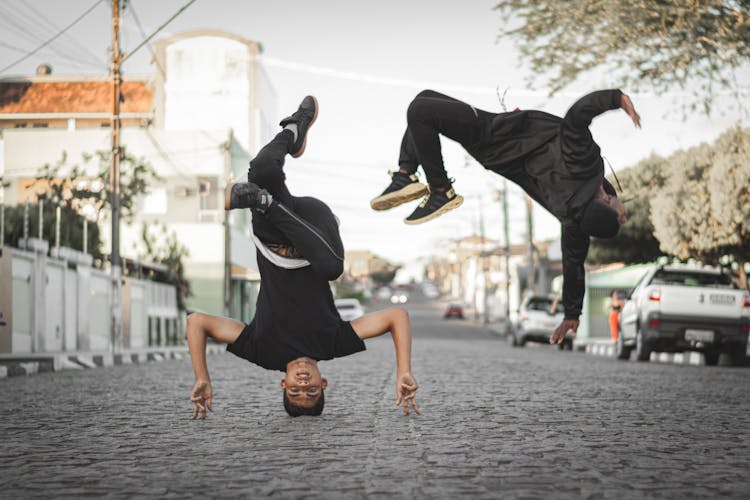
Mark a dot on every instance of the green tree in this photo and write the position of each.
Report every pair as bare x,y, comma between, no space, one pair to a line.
660,43
77,188
82,194
71,226
703,210
636,242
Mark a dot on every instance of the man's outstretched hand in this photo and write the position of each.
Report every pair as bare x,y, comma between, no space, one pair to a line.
201,396
627,105
559,334
406,388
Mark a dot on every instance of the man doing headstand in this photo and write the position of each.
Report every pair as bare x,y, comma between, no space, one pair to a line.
555,160
296,323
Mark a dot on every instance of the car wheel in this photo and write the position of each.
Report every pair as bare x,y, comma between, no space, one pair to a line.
642,349
737,356
711,357
565,345
621,350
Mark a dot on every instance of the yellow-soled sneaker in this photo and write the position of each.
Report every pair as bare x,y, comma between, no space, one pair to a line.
403,188
435,204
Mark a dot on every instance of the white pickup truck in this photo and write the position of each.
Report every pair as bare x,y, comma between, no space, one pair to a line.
677,308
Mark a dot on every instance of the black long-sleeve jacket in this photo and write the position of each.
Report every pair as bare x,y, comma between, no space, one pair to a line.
556,161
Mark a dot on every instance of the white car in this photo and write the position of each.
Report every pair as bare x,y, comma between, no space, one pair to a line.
678,308
349,309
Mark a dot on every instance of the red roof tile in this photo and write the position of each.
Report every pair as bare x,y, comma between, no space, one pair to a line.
71,97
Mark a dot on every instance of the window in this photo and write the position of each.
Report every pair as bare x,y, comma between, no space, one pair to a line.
687,278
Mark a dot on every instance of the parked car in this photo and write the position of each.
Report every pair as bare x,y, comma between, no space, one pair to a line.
383,293
538,317
349,309
678,308
454,311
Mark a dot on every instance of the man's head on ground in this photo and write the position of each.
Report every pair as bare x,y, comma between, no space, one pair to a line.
604,215
303,388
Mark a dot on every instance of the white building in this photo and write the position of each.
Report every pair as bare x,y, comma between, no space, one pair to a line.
197,120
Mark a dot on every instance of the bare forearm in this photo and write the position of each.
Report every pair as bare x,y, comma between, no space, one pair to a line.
394,320
197,345
401,333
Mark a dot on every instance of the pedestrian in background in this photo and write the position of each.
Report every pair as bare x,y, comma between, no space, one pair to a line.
615,306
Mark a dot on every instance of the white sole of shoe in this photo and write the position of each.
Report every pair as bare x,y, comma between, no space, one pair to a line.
454,203
304,143
407,193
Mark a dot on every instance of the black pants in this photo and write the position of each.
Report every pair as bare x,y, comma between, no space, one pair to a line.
429,115
305,223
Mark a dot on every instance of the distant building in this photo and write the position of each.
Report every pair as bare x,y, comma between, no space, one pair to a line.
472,270
197,120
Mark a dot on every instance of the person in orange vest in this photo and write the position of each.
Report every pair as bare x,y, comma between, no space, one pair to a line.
615,306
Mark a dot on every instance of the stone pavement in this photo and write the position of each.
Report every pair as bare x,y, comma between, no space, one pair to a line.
497,422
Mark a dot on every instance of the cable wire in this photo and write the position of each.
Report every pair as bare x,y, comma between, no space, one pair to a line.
55,37
164,24
131,9
82,49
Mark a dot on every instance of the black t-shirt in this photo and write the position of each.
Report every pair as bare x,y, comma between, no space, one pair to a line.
295,315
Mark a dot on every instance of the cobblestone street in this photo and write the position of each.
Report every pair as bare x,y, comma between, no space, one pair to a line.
497,422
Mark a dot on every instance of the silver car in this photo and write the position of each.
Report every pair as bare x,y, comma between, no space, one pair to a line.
538,317
349,309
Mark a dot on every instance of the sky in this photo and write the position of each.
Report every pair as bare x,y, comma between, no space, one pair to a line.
365,61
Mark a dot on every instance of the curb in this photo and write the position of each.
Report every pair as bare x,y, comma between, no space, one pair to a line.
677,358
28,364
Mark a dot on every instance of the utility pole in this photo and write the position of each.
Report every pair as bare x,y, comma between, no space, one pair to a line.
114,179
530,229
227,231
483,256
506,232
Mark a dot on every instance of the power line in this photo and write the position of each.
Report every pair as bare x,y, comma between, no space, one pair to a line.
78,46
422,84
55,37
164,24
131,9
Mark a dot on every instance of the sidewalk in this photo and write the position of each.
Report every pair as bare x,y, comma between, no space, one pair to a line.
605,347
30,363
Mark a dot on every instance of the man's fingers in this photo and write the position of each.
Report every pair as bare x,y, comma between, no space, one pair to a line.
195,411
414,405
209,405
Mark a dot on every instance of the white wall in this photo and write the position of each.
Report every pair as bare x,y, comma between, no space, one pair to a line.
208,86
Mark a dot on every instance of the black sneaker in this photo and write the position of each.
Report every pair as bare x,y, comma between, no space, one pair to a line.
403,188
435,204
303,118
246,195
